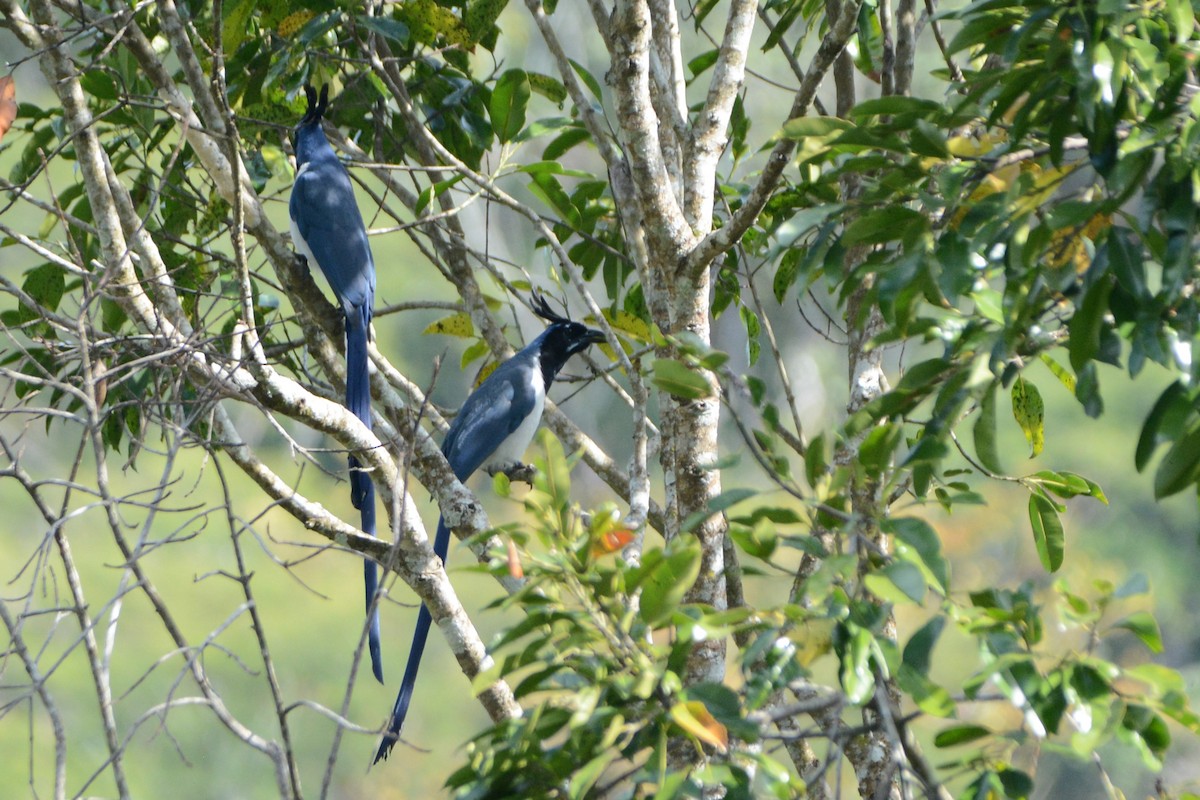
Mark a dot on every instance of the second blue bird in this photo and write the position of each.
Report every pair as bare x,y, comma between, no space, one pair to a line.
494,428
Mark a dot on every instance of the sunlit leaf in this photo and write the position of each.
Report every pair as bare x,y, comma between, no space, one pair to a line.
664,577
804,127
813,638
1143,625
984,432
693,717
1030,414
1180,467
454,325
857,678
960,734
510,98
1048,534
675,378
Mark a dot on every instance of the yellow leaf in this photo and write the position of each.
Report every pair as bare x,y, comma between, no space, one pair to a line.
1030,414
484,371
626,323
813,638
695,720
972,146
293,22
1045,184
428,21
453,325
1067,245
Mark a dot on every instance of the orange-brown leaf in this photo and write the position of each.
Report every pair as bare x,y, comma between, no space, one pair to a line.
8,104
515,569
694,718
611,541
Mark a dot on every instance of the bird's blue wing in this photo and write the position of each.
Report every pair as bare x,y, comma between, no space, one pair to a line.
326,216
491,413
330,231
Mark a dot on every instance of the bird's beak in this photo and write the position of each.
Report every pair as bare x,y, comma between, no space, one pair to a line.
595,337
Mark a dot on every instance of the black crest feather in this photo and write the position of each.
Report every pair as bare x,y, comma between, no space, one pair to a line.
543,310
317,105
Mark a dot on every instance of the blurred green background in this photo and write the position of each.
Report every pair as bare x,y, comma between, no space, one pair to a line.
311,601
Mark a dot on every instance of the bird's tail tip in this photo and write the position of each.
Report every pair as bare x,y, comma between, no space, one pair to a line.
385,747
376,660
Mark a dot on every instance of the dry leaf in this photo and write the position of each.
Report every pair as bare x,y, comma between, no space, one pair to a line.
515,569
695,719
8,104
611,541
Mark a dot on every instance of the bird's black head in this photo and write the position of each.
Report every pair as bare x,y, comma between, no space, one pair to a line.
562,339
310,140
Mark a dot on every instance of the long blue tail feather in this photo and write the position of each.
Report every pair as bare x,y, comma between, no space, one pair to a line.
362,490
441,545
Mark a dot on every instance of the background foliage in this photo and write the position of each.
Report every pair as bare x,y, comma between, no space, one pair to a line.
858,498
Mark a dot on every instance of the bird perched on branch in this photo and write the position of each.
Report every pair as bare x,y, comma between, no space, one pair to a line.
494,428
328,230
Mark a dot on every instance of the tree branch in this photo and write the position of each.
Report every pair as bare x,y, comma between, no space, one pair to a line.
714,244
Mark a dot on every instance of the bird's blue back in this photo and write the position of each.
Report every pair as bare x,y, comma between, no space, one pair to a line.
325,213
328,229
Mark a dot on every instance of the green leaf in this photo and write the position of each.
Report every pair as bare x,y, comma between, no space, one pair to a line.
584,778
920,536
857,679
1168,413
804,127
894,105
702,62
480,16
386,27
898,582
927,140
729,498
1017,785
664,578
984,432
1047,532
1062,484
564,142
675,378
815,463
1143,625
1180,467
547,86
960,734
46,285
875,453
235,24
510,98
918,653
884,225
1064,376
588,78
1085,326
1030,414
546,188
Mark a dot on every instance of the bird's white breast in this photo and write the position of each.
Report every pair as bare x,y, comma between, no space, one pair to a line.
513,448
